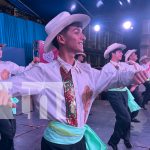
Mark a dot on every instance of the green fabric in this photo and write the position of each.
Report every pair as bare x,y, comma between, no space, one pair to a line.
93,142
14,100
61,133
133,106
63,130
118,89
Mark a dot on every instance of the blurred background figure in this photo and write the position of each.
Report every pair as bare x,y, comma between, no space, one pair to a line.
81,57
7,120
40,56
145,64
7,126
4,74
131,59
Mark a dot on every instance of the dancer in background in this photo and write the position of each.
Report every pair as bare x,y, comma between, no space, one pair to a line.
145,64
81,57
131,59
118,97
7,120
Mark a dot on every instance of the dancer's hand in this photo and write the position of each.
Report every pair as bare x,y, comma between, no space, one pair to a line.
5,74
140,77
5,99
36,60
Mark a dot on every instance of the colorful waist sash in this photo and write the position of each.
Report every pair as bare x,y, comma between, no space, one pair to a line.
15,101
61,133
133,106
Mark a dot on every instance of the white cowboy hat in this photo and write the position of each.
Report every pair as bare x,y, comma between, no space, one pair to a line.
81,53
144,57
113,47
128,54
57,24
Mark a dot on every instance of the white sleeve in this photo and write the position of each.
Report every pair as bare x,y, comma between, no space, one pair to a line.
111,78
29,82
15,69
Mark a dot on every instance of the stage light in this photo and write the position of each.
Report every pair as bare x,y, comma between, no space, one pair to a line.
131,28
129,1
99,3
73,7
127,25
120,2
97,27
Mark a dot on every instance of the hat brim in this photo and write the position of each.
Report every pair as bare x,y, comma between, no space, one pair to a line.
127,57
83,54
108,51
144,59
84,19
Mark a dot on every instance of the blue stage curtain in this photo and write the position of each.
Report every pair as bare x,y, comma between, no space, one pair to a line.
20,33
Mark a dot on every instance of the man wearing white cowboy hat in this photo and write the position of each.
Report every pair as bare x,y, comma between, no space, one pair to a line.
72,86
145,64
145,61
118,97
80,57
131,59
112,48
8,126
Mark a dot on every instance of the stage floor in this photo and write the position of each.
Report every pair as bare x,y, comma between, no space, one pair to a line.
101,119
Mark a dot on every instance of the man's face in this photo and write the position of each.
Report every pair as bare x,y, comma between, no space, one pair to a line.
133,57
1,53
74,39
118,55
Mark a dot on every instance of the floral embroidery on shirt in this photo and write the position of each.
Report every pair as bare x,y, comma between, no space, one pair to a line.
86,98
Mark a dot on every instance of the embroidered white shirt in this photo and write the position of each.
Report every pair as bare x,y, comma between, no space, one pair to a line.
45,79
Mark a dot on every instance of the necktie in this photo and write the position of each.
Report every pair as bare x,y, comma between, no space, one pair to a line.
69,93
115,65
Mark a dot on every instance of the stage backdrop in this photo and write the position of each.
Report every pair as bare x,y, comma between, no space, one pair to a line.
16,55
20,33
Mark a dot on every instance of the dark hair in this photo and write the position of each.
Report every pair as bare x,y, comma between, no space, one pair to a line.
55,42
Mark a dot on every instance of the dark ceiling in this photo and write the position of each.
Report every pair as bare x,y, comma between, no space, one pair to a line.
111,14
111,10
